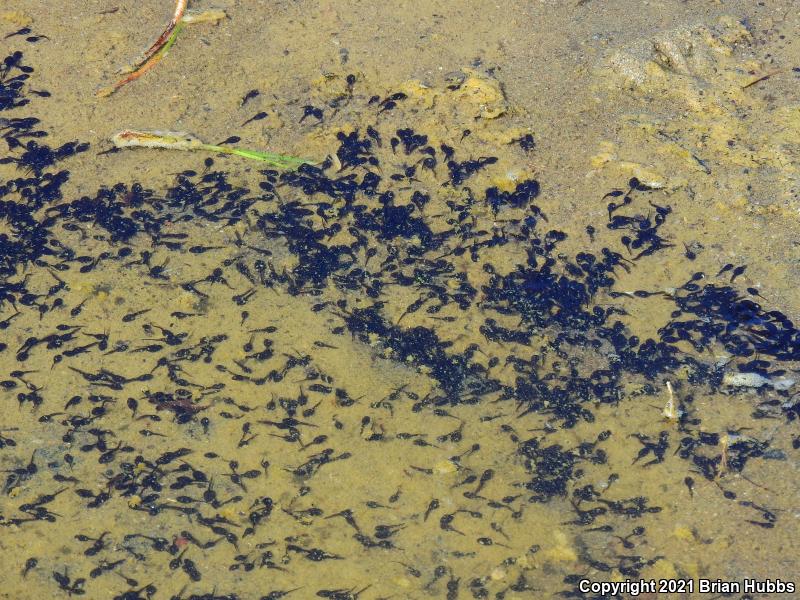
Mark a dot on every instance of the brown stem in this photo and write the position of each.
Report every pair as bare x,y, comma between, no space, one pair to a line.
180,8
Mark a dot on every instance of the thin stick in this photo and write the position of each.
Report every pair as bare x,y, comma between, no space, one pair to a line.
180,8
143,67
763,78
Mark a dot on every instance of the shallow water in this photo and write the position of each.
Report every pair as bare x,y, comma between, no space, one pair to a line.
439,363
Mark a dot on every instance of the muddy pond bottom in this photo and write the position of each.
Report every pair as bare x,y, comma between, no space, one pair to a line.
413,368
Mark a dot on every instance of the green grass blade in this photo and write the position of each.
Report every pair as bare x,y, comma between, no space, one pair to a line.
278,160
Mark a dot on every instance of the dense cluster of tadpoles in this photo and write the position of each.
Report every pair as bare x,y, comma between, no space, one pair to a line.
396,241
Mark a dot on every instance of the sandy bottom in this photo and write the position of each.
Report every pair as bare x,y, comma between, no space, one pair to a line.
420,368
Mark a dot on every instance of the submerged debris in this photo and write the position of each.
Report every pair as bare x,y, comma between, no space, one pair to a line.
162,45
178,140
